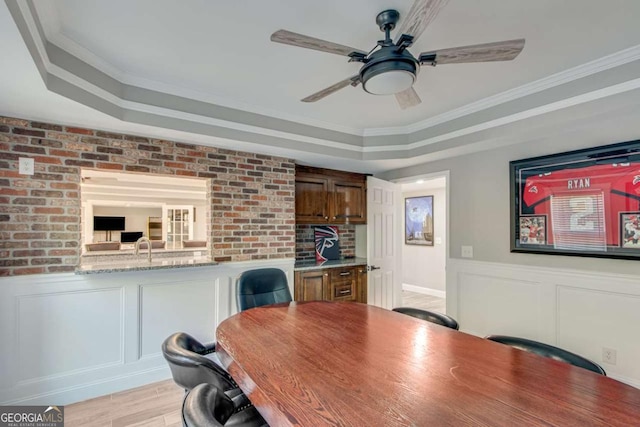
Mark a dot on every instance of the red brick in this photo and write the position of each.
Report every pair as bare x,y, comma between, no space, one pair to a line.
64,153
112,166
13,192
79,130
41,210
28,270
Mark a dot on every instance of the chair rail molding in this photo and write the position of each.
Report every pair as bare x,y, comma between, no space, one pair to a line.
583,312
118,320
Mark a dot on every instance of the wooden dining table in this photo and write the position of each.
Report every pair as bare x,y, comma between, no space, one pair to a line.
350,364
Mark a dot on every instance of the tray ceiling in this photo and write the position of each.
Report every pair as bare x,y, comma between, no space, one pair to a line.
208,68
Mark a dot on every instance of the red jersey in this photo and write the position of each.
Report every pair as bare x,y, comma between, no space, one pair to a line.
583,205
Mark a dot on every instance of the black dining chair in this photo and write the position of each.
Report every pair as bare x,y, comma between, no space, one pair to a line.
429,316
262,286
207,406
547,350
189,367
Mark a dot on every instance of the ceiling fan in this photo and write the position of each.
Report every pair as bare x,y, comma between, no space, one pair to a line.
389,68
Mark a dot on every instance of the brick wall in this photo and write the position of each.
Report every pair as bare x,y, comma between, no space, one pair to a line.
306,247
252,195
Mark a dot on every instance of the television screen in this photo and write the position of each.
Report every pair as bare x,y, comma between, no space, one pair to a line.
108,223
130,236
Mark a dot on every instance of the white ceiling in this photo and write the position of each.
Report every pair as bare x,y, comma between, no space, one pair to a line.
219,52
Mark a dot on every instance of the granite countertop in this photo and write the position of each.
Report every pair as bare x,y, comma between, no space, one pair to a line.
304,265
116,266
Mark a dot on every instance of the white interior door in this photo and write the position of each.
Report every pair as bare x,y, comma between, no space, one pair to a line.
384,284
177,225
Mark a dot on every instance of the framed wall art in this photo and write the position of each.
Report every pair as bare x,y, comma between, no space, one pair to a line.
584,202
418,220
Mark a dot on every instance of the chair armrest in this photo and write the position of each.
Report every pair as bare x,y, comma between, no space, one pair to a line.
209,348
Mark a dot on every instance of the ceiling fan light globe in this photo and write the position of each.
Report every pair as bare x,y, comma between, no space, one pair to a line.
388,72
389,82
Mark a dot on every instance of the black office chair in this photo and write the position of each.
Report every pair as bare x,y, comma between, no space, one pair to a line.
550,351
189,367
262,286
207,406
429,316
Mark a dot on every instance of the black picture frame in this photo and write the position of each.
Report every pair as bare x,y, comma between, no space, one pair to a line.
418,221
578,203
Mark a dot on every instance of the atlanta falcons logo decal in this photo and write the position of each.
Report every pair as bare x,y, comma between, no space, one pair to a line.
636,179
533,189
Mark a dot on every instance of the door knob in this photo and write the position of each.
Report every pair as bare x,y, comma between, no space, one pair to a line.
372,267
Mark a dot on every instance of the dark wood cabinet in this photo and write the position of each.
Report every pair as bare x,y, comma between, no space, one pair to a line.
362,283
311,285
325,196
331,284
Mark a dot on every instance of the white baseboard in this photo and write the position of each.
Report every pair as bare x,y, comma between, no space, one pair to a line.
425,291
99,388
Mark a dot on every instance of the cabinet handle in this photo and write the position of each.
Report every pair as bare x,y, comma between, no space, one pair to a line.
334,217
326,217
345,273
325,274
345,292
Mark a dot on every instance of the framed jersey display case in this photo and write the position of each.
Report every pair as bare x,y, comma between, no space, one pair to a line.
584,202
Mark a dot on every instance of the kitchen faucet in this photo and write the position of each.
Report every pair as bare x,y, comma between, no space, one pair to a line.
144,239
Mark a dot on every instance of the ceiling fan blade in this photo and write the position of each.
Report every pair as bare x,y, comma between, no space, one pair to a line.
353,80
295,39
420,15
486,52
408,98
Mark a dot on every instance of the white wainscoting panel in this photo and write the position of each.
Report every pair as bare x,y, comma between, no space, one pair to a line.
68,338
43,328
176,306
582,312
512,308
586,319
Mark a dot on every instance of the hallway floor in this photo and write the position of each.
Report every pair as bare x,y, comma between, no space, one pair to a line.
425,302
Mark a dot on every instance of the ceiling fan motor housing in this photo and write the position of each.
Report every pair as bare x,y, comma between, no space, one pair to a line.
389,71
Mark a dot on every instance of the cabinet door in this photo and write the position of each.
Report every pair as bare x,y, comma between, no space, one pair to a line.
343,284
311,285
311,200
348,203
362,284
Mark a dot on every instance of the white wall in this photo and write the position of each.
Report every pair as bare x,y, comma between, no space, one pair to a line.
68,338
135,219
424,266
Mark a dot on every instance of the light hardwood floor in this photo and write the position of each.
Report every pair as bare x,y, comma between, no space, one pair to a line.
154,405
425,302
159,404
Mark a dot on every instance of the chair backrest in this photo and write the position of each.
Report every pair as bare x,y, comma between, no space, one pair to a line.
429,316
547,350
189,368
206,405
262,286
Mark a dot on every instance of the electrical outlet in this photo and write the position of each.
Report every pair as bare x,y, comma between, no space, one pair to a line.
609,355
26,166
467,252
